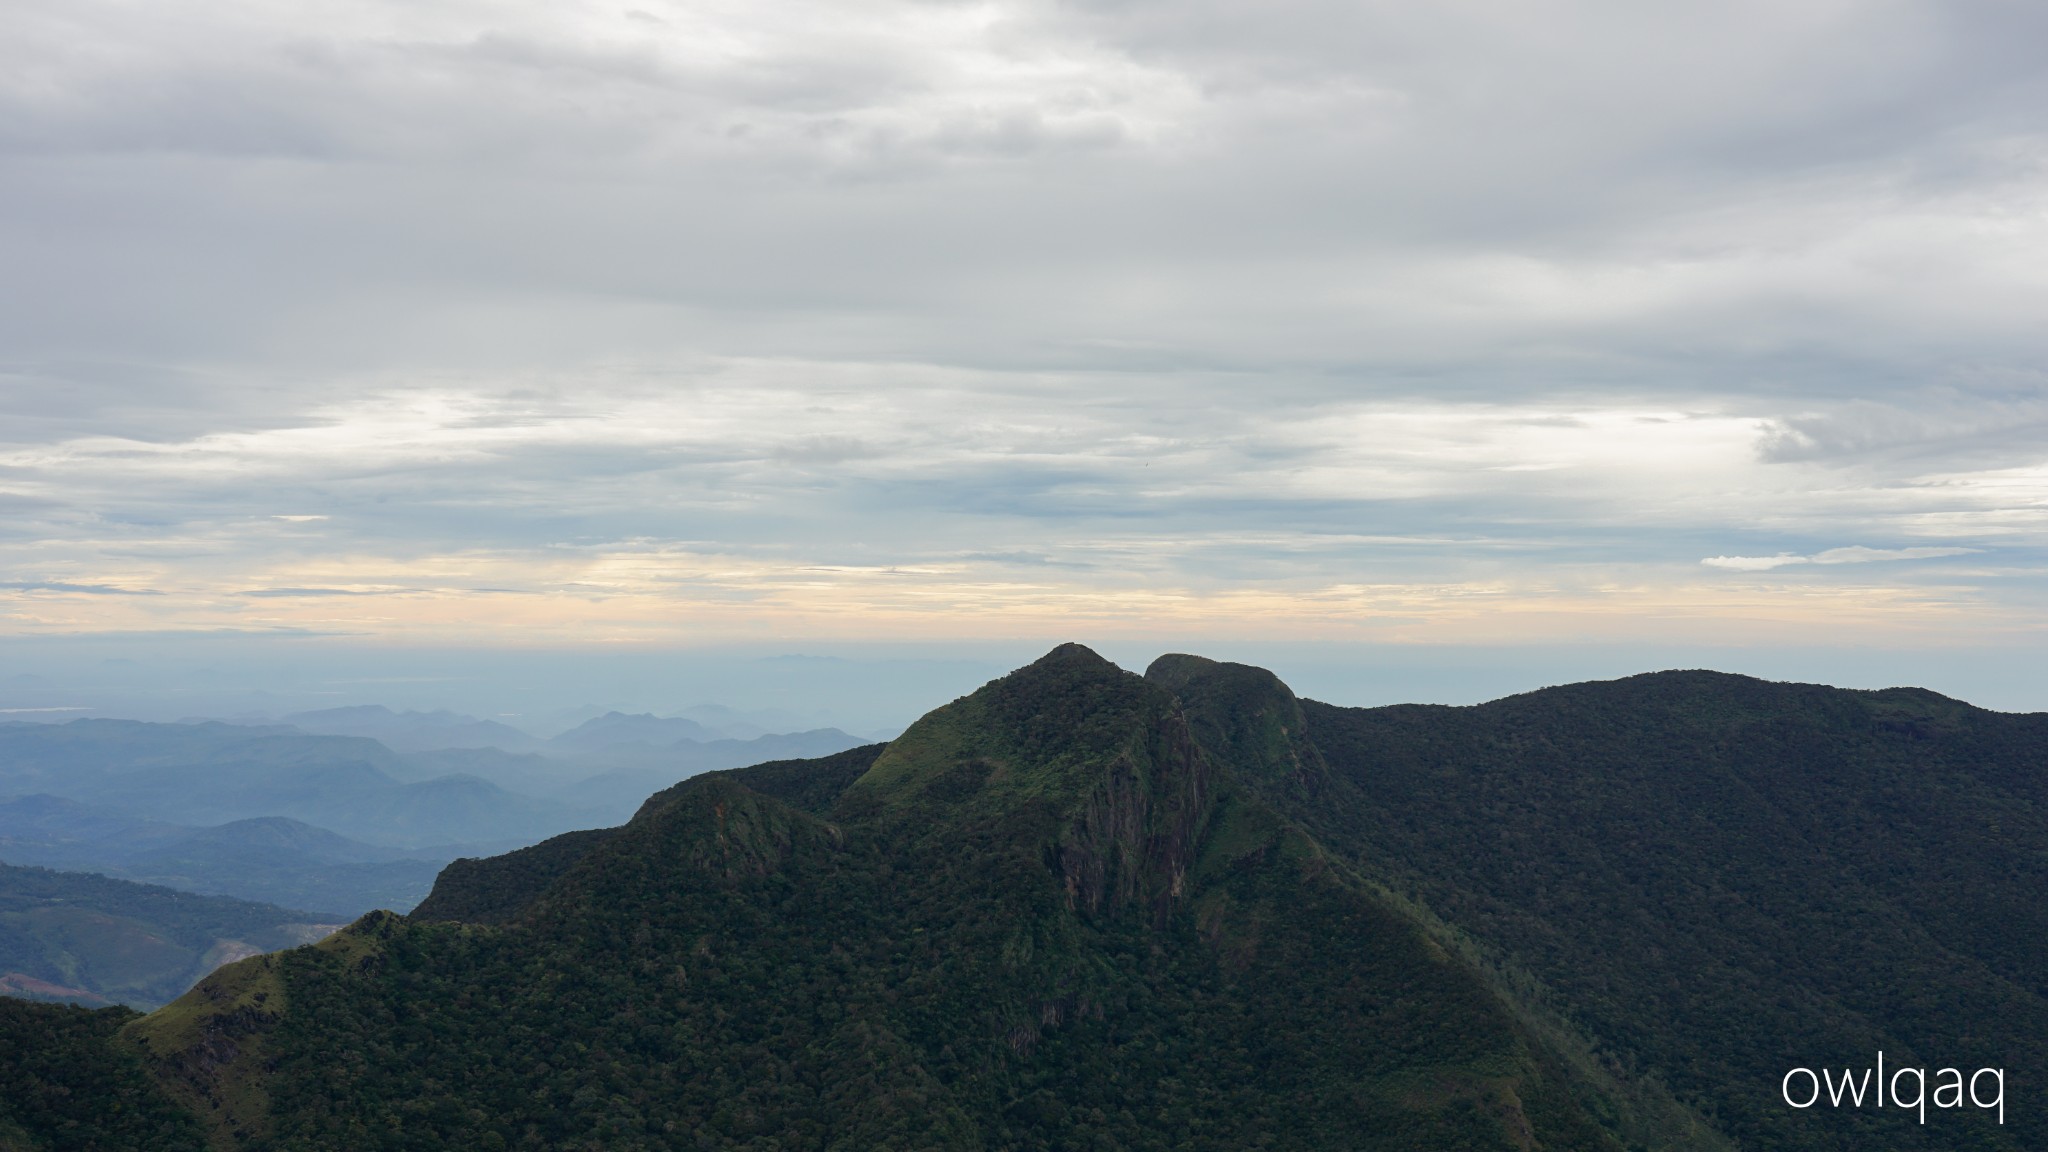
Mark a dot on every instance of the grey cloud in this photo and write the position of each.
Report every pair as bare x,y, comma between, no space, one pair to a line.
305,592
1456,135
1097,271
81,589
1854,554
1939,424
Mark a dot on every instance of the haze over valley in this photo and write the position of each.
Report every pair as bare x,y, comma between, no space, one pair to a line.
346,809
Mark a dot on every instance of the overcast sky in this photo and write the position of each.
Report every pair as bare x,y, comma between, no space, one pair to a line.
1536,323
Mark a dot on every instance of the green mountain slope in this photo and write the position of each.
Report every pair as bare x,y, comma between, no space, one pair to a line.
94,940
1717,879
64,1085
1047,916
495,889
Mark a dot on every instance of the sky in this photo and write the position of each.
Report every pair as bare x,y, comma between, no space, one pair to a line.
1422,350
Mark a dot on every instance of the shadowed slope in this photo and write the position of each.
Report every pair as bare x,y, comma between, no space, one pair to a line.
1717,878
1046,916
65,1085
494,889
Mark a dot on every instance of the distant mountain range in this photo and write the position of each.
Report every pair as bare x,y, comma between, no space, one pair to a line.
645,730
214,773
271,859
323,820
412,731
433,731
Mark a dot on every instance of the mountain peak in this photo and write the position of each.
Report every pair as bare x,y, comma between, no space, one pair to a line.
1251,718
1073,763
1174,669
1072,653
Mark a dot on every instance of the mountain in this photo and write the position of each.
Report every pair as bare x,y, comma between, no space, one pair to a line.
275,859
271,859
1044,917
1085,909
412,731
57,833
213,773
94,940
496,889
733,724
614,729
745,725
1720,879
527,773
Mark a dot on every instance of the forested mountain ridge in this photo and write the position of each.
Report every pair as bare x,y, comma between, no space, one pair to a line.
1717,878
1080,908
495,889
1043,917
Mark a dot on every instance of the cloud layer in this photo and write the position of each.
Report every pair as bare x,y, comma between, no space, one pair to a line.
573,322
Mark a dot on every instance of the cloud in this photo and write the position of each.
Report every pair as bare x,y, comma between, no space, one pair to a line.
1855,554
302,592
1755,563
718,311
1797,193
77,589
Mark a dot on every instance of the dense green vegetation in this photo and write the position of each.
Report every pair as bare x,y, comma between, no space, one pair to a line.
495,889
136,944
64,1087
1719,879
1043,918
1082,909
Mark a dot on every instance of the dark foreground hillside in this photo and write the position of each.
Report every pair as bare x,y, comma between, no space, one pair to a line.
1081,909
1045,917
65,1084
1720,879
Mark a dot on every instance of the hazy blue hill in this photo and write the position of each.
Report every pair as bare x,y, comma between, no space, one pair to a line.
737,725
1720,878
59,833
614,729
1045,917
527,773
137,944
280,860
285,838
413,731
213,773
269,859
